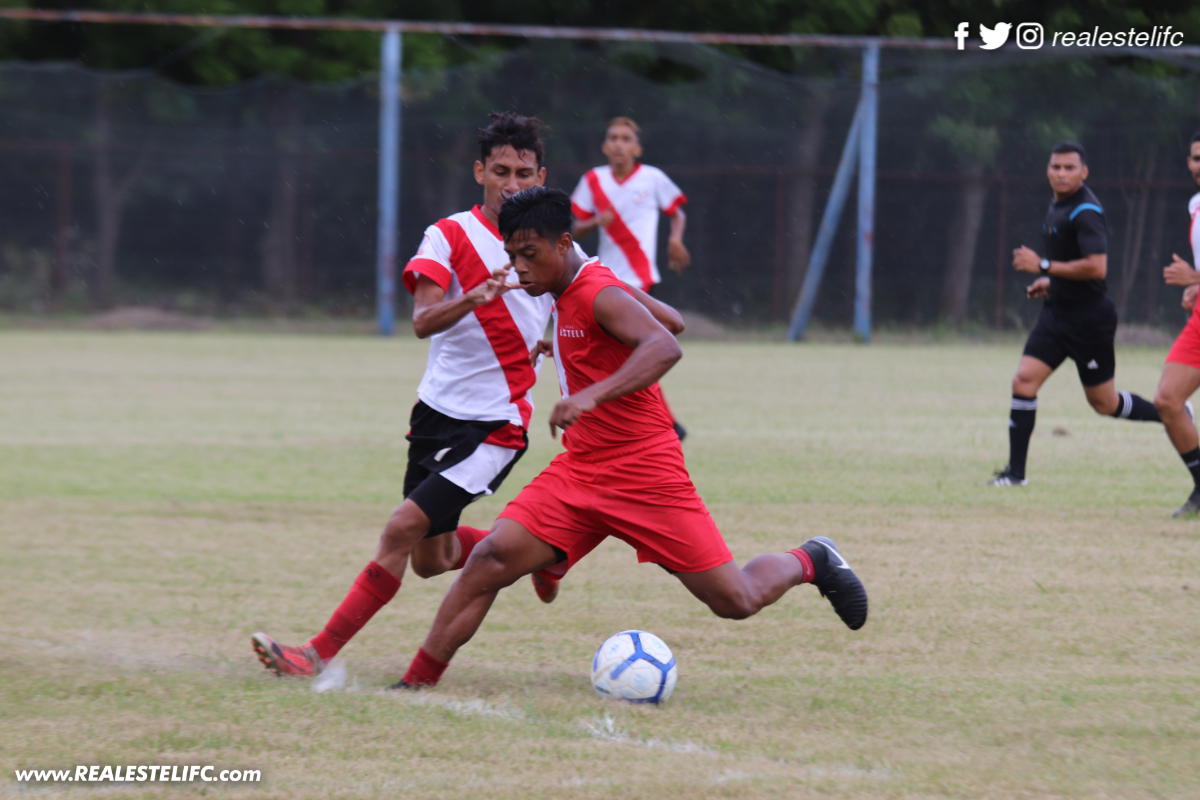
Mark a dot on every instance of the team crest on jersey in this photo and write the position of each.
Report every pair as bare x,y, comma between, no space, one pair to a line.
571,332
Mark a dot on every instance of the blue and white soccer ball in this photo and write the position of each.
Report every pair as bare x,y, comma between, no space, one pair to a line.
634,666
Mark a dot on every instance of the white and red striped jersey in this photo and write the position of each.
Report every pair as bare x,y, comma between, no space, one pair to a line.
628,244
1194,230
479,368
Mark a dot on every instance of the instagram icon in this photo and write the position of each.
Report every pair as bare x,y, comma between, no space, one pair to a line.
1030,35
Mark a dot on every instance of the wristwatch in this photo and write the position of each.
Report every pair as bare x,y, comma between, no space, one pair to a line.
1044,266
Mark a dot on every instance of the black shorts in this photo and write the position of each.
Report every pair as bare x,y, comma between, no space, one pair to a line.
1085,336
436,443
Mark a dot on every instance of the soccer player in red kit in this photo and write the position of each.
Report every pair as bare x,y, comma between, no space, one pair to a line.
469,425
1181,374
623,473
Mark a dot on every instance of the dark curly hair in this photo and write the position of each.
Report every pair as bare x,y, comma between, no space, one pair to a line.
547,212
509,128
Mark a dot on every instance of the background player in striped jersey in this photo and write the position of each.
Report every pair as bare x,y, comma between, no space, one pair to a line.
469,425
623,200
623,473
1181,374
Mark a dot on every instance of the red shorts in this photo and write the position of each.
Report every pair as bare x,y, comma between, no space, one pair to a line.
1186,349
645,498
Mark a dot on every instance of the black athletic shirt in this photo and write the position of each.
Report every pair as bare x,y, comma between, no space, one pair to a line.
1074,228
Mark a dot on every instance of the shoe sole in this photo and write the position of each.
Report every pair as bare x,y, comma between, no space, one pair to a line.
853,611
262,649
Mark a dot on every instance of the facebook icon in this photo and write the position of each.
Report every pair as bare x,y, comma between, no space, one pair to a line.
964,30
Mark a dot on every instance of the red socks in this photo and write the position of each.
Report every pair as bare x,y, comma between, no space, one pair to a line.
468,537
806,564
372,590
425,670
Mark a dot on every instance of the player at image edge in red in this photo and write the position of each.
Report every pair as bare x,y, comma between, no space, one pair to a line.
1181,373
623,473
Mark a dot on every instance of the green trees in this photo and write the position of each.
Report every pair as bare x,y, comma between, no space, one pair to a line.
222,57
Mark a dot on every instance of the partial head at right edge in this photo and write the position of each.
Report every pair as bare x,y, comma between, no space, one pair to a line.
1194,157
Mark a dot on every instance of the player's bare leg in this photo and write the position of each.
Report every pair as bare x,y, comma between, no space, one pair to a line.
509,553
434,555
1031,374
373,589
1106,400
733,593
1103,398
1178,383
407,526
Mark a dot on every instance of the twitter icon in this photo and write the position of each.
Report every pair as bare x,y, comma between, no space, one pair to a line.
994,37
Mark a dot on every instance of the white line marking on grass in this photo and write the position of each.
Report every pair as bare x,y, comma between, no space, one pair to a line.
736,775
473,707
606,730
847,771
578,782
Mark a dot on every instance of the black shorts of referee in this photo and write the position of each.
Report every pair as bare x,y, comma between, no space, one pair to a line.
1085,335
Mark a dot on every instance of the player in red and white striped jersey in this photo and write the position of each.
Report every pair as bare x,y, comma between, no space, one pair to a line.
469,425
623,200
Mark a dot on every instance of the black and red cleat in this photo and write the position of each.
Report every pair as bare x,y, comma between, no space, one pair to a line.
284,660
837,582
546,585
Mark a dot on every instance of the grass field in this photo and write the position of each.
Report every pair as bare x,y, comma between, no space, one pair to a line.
165,495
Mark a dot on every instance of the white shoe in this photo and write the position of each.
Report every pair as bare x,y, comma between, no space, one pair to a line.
1191,411
1005,478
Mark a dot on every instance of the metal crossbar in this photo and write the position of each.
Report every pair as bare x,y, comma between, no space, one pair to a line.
475,29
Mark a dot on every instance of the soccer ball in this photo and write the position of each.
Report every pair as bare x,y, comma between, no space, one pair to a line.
634,666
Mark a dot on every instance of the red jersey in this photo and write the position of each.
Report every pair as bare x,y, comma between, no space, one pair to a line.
584,354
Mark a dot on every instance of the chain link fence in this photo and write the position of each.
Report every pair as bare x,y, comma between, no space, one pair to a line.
127,189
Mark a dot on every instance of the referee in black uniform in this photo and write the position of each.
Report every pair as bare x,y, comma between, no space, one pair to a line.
1078,321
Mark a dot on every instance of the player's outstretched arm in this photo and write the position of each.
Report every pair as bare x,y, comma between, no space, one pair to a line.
654,352
432,313
667,316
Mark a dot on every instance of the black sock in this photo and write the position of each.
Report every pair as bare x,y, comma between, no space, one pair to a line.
1191,460
1020,428
1135,409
